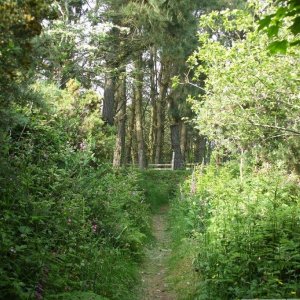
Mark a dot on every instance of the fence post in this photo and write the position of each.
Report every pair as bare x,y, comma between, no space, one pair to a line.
173,160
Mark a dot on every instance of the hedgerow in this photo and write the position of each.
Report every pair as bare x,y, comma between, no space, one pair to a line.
70,226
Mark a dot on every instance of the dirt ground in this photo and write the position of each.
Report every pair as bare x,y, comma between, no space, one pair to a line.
154,272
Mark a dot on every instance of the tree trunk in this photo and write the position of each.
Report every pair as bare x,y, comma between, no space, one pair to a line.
153,91
183,140
209,148
139,113
119,153
108,111
175,142
153,133
163,82
132,145
200,149
159,131
131,133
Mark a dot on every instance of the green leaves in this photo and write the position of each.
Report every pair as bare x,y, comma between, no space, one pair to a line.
64,211
265,22
244,226
273,30
77,296
244,237
24,230
245,86
287,12
278,47
295,28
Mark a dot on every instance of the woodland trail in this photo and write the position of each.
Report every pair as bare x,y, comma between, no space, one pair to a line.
154,273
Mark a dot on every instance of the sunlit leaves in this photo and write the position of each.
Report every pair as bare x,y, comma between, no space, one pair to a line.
278,47
286,12
251,96
243,236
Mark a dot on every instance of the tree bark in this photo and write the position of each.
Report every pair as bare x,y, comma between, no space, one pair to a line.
153,92
183,140
175,142
163,82
131,153
153,133
108,111
139,113
159,130
200,149
120,120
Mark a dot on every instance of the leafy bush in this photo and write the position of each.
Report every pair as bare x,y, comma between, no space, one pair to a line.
70,226
251,98
246,234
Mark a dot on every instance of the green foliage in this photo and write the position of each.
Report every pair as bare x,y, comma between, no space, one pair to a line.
236,232
245,235
20,21
81,118
77,296
68,222
286,12
160,187
251,98
62,49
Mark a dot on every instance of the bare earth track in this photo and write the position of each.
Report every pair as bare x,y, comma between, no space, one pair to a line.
154,273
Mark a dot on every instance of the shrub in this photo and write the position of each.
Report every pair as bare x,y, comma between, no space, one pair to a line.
247,234
70,226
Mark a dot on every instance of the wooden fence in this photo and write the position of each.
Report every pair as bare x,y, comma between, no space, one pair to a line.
169,166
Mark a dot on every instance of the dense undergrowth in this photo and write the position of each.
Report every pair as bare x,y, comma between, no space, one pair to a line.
236,238
160,187
70,226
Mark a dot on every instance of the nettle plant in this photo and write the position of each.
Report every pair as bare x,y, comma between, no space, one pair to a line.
251,242
245,235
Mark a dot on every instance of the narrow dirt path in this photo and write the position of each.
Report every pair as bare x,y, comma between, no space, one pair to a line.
154,271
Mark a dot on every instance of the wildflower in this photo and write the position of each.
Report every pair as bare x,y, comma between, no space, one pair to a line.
94,227
82,146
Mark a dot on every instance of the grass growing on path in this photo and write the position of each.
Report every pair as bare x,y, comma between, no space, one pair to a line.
155,269
160,188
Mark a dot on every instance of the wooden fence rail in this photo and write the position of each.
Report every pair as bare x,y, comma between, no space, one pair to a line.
164,166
